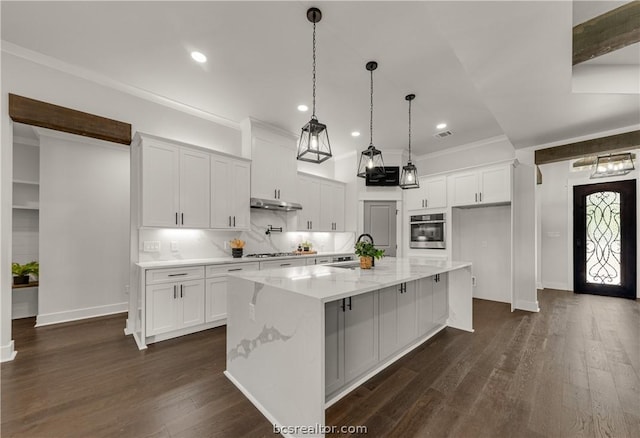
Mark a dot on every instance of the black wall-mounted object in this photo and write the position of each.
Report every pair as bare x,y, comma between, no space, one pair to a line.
390,177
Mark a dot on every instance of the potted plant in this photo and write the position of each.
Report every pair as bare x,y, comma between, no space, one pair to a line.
367,253
306,246
21,272
237,246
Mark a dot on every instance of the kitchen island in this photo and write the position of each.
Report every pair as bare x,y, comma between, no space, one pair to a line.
299,339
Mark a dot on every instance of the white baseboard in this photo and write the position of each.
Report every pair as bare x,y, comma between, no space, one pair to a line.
76,314
529,306
7,352
127,330
554,285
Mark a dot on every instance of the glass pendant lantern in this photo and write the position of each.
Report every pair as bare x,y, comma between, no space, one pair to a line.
314,144
371,158
409,175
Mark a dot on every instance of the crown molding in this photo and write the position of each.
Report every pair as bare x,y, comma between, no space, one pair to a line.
100,79
464,147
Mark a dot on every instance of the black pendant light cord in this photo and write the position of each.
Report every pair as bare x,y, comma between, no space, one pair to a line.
314,71
371,114
410,130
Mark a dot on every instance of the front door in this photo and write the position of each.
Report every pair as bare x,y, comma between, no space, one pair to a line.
380,222
604,234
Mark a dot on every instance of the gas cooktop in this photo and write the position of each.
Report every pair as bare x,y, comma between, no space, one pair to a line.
272,254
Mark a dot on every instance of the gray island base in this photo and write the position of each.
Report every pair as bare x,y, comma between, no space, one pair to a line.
299,339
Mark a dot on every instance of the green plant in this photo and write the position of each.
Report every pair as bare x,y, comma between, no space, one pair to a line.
366,249
19,270
306,244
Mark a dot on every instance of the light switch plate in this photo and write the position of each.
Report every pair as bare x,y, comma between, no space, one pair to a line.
174,245
151,246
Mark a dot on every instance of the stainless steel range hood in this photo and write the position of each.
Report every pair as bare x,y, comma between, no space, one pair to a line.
272,204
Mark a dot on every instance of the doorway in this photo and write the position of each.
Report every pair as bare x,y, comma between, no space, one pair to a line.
604,235
380,222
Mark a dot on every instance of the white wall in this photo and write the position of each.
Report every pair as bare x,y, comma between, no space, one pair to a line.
84,227
555,197
474,154
484,238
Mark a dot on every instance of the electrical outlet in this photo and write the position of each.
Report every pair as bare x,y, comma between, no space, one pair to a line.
151,246
473,281
226,244
174,245
252,312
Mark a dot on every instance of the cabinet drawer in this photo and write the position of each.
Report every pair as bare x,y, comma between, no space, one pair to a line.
214,270
155,276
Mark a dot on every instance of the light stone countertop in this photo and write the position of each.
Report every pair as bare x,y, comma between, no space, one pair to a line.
226,260
328,283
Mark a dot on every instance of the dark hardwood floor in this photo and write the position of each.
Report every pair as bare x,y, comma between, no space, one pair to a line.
571,370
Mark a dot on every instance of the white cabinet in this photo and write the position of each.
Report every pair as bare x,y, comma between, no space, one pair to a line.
432,193
216,288
287,263
334,346
322,204
174,299
398,317
424,305
483,186
230,193
360,334
320,260
175,186
440,299
309,216
273,170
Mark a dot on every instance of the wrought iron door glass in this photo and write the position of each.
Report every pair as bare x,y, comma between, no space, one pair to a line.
603,238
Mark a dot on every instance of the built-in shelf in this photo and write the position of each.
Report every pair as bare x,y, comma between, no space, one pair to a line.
24,286
31,183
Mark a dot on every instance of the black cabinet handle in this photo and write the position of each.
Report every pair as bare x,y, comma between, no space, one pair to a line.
278,193
234,221
311,224
235,269
480,196
476,197
229,220
275,193
177,275
181,294
285,264
176,218
349,303
342,306
174,291
182,218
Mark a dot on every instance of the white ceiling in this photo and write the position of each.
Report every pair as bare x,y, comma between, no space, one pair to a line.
485,68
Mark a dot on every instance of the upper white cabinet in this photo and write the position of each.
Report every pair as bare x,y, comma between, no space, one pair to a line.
274,173
481,186
230,193
432,193
175,186
322,204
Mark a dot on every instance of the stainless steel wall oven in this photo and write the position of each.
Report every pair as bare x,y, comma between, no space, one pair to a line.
428,231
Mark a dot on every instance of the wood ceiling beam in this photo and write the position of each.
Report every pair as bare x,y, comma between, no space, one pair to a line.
605,33
46,115
596,146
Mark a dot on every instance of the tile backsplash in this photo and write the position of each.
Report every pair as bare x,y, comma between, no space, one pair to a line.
191,243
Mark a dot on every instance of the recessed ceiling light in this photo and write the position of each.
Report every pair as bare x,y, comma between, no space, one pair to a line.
303,108
198,57
441,126
355,134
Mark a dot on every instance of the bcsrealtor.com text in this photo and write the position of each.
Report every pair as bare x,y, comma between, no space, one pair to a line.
318,429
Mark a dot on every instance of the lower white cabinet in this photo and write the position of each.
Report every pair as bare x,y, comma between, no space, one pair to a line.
440,299
334,346
424,305
398,317
216,288
173,306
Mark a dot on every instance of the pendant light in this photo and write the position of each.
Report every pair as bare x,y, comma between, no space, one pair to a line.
409,176
314,144
371,158
613,165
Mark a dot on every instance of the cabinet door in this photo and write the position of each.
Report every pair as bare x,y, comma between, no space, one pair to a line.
338,207
287,263
436,192
160,185
309,216
274,173
360,335
286,169
194,188
440,299
241,189
464,188
388,303
424,304
407,318
191,310
327,193
495,184
216,298
414,199
221,215
161,303
334,346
